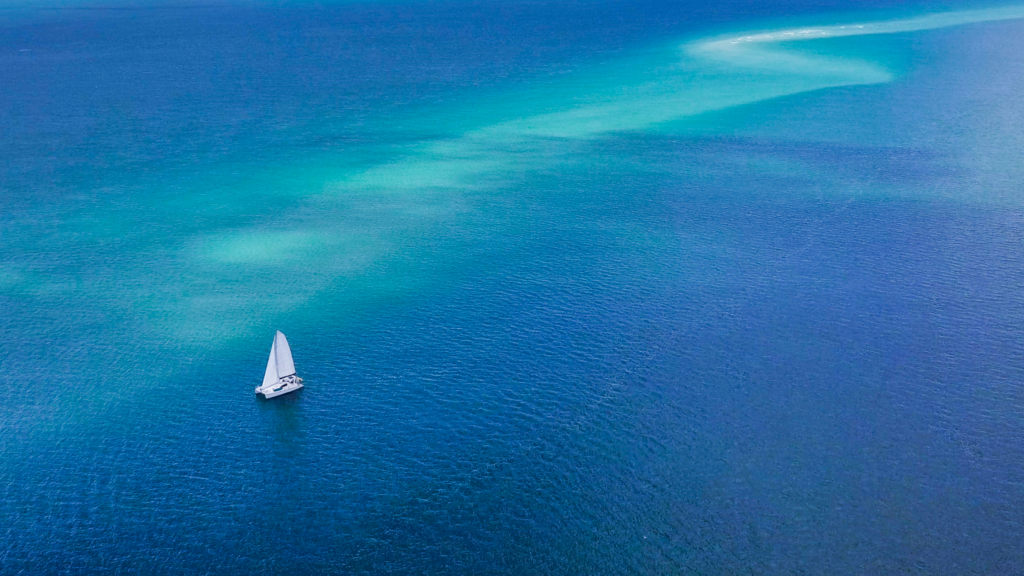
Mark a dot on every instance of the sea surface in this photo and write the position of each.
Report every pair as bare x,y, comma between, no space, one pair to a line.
576,287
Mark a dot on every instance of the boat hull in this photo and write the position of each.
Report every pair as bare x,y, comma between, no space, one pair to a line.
274,391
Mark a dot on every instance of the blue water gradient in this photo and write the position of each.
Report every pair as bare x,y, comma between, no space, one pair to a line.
575,288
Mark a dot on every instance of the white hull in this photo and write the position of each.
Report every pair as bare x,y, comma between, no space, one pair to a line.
279,388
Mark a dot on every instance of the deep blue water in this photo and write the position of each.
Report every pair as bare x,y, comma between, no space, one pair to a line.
562,306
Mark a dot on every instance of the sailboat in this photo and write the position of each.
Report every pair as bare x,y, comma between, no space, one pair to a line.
280,377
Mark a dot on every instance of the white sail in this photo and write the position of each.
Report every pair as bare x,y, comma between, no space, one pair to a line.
270,377
280,377
285,366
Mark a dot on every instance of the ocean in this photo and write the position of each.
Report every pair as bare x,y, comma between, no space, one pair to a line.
581,287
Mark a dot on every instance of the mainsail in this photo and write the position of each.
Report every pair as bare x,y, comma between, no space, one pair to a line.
285,366
280,363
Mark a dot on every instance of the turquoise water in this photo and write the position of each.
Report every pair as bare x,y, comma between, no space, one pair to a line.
576,288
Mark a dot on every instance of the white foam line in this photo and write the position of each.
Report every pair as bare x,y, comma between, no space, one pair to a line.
919,23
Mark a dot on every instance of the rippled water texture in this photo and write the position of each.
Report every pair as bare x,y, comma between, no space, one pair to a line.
586,288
